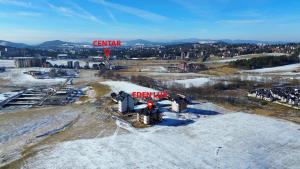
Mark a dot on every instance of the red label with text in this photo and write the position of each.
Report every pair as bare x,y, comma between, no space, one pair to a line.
155,95
105,43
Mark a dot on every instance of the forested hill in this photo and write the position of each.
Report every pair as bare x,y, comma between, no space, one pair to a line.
266,61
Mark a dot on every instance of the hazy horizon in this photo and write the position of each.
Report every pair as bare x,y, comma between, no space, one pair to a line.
151,40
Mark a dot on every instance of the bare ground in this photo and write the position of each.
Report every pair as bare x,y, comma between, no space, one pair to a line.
94,119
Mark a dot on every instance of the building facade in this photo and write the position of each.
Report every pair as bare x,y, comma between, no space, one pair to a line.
29,62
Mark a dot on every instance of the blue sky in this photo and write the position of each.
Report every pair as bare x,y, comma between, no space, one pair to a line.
34,21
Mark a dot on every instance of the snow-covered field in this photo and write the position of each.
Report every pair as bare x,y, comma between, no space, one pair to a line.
204,136
127,87
17,77
286,68
211,80
248,56
233,140
167,76
224,60
7,63
154,69
18,130
247,77
197,82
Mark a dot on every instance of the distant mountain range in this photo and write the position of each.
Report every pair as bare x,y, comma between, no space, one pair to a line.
59,43
12,44
140,42
54,43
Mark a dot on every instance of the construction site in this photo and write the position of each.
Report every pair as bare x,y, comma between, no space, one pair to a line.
41,96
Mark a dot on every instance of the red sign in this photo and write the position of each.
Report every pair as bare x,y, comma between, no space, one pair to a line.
105,43
106,52
150,104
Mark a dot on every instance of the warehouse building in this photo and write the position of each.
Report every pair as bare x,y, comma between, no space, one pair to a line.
22,62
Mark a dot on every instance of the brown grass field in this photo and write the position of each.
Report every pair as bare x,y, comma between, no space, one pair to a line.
100,89
221,70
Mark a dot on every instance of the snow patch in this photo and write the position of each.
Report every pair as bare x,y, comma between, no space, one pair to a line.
127,87
154,69
17,77
16,133
285,68
7,63
197,82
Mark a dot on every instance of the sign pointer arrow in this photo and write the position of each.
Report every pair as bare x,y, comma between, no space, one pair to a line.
107,52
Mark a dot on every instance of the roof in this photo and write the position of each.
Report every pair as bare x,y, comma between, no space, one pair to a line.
180,99
122,95
146,111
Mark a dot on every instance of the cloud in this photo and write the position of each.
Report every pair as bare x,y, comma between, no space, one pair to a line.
74,12
62,10
16,3
202,8
30,14
20,14
112,16
85,14
133,11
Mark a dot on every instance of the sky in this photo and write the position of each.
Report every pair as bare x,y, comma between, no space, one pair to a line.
35,21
